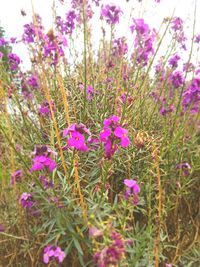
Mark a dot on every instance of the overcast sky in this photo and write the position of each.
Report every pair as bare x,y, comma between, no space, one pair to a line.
153,13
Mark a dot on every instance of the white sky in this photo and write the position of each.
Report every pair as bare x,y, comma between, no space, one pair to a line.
153,13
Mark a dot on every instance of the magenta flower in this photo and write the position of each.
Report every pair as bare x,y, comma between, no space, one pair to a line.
51,252
112,132
140,26
48,254
113,120
177,79
173,61
16,177
110,149
77,140
14,61
59,254
132,190
26,200
111,255
111,13
185,167
71,128
40,162
123,135
90,92
105,133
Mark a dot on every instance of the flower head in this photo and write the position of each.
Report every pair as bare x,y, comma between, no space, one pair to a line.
42,161
16,177
132,190
77,140
123,135
111,13
52,252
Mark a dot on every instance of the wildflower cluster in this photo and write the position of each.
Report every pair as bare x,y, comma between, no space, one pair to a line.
112,131
143,41
112,254
42,159
76,136
52,252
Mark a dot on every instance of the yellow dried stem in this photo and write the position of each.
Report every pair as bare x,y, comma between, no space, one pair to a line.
64,97
159,208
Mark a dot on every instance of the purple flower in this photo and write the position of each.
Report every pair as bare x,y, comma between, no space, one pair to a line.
104,135
51,252
110,149
111,255
123,135
40,162
90,92
77,140
139,25
185,167
48,254
113,120
111,13
197,39
112,132
191,97
173,61
14,61
26,200
33,82
45,108
164,111
59,254
16,177
45,182
120,47
177,24
132,190
177,79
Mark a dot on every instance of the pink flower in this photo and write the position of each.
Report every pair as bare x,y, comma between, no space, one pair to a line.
77,140
51,252
110,121
16,177
48,253
69,129
132,190
123,135
105,133
59,254
40,162
110,149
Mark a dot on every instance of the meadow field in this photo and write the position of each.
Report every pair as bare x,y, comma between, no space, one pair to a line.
100,140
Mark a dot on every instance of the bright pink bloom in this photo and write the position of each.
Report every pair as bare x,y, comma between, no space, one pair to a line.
123,135
59,254
77,140
40,162
110,121
132,190
51,252
105,133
